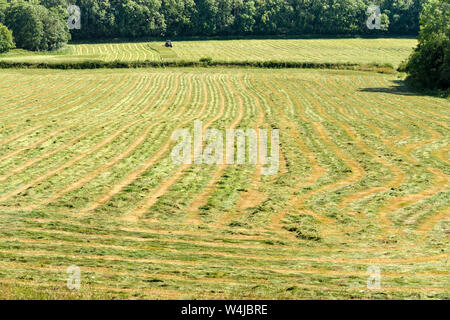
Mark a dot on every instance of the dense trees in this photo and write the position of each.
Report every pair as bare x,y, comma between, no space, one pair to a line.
27,26
3,6
147,18
6,39
178,15
429,65
154,18
55,34
35,27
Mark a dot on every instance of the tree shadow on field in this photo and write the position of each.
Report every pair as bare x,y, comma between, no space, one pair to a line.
400,87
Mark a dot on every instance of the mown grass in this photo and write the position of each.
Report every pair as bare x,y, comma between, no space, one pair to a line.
86,179
318,51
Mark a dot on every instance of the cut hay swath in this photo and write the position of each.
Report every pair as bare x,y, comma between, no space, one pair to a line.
361,51
87,179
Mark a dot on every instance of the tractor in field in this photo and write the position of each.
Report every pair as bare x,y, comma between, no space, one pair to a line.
168,44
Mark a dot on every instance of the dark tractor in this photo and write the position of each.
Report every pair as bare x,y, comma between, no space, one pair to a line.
168,44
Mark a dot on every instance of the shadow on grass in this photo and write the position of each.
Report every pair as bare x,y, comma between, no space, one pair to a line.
400,87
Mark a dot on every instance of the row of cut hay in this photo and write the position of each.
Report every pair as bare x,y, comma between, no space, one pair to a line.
198,263
208,178
171,196
128,92
166,102
107,163
207,110
35,154
167,108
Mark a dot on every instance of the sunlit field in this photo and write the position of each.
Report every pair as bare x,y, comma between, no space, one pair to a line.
87,178
388,50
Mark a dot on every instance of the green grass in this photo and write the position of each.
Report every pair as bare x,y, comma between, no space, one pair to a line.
86,179
361,51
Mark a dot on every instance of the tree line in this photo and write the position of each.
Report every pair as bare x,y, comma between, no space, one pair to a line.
150,18
155,18
429,65
32,26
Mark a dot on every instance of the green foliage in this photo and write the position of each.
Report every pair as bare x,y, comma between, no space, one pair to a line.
139,19
35,27
435,19
54,3
155,18
206,60
28,29
429,65
55,34
3,6
6,39
178,15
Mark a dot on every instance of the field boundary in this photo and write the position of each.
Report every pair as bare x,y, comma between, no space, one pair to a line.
271,64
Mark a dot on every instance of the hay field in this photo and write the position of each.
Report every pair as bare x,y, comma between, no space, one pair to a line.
364,51
86,179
